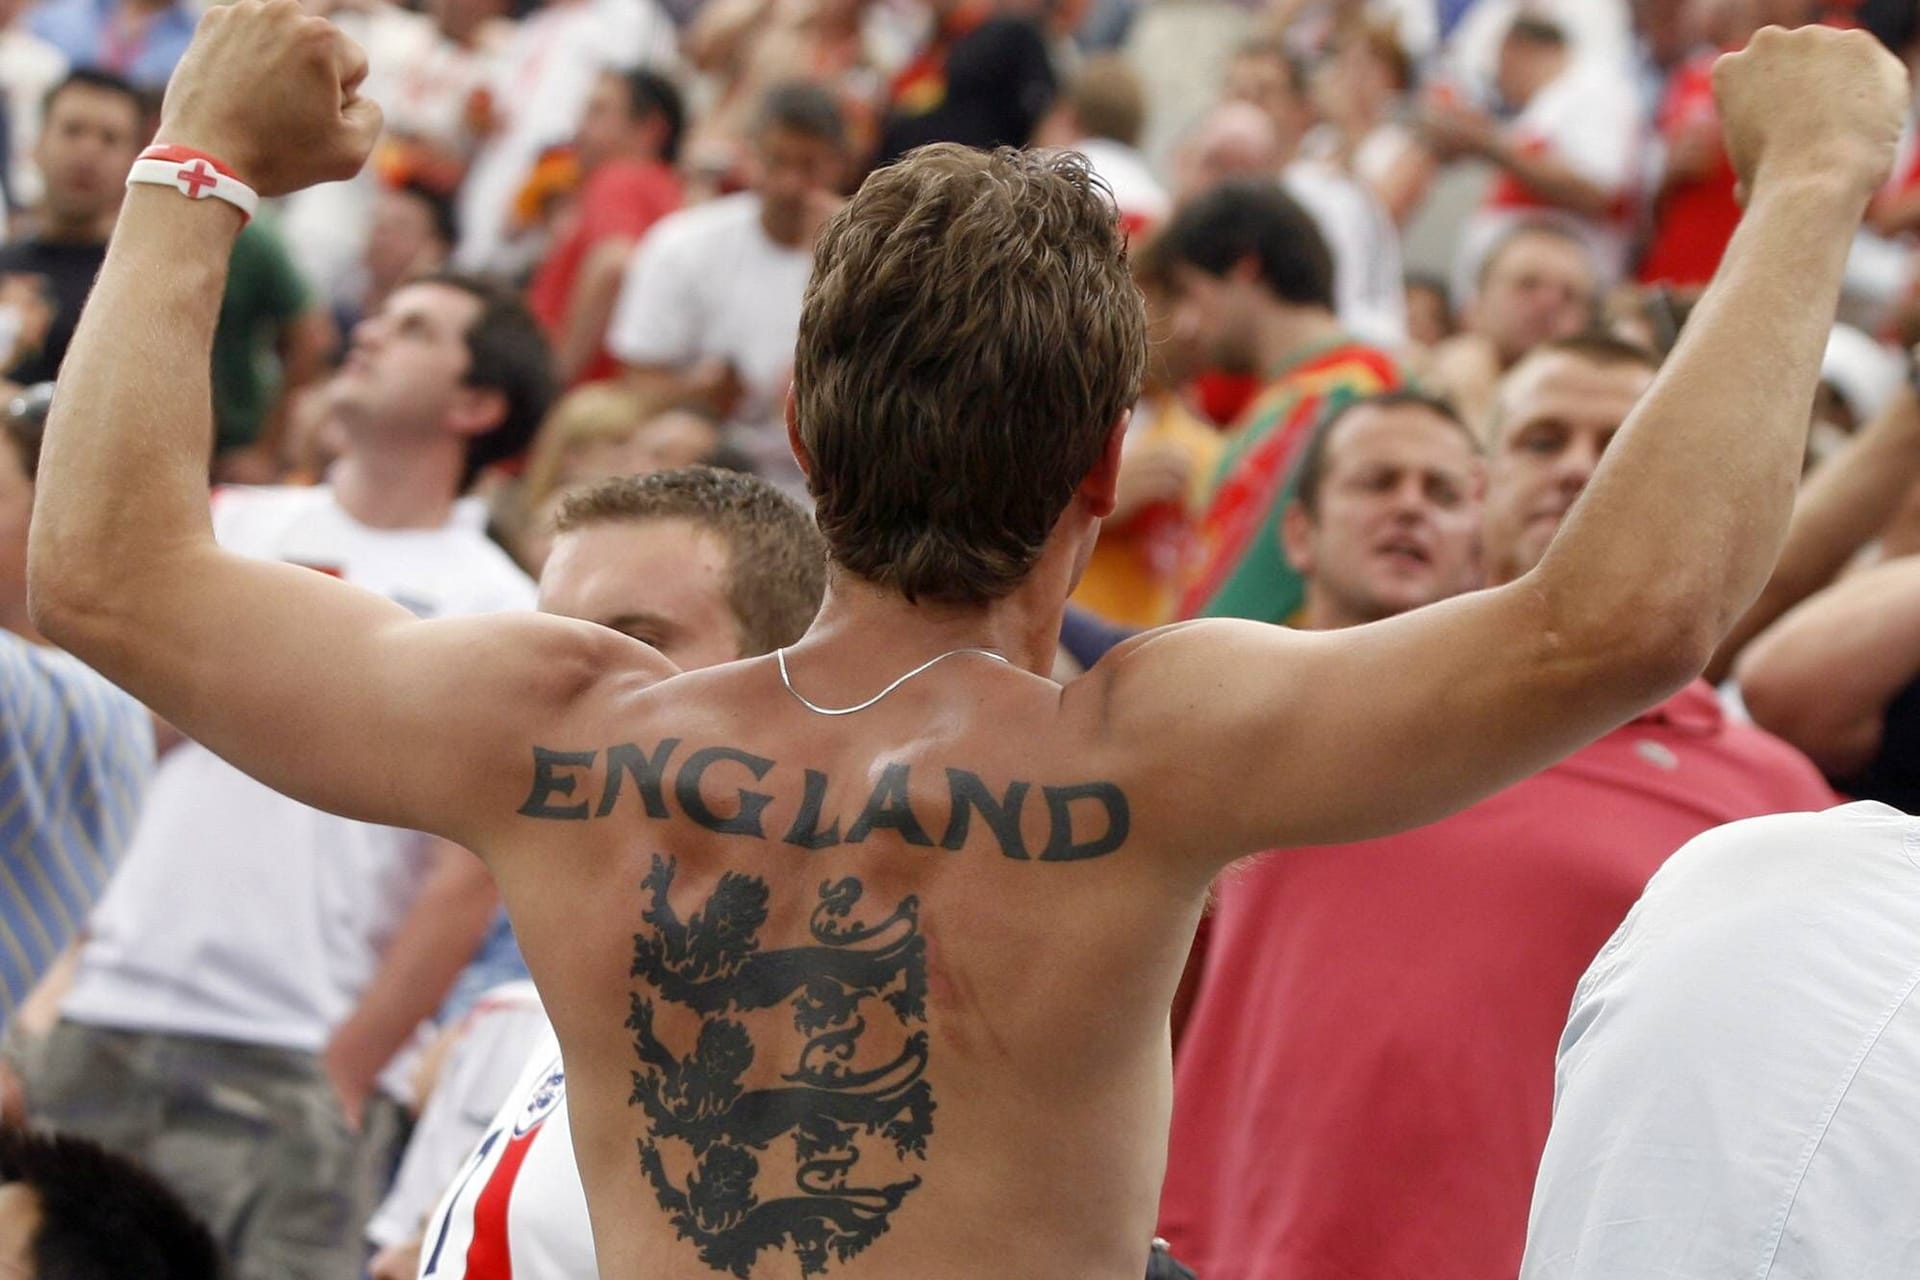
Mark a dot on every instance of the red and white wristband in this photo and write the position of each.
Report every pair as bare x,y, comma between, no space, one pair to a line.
194,174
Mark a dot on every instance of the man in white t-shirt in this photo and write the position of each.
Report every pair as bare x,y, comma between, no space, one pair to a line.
710,307
708,566
1734,1092
256,964
1572,152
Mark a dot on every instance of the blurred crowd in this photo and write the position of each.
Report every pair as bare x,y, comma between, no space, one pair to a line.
1409,265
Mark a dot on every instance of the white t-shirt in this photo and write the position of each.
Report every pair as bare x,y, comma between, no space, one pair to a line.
240,914
539,93
1369,286
1137,194
1736,1087
706,282
517,1207
1590,120
477,1077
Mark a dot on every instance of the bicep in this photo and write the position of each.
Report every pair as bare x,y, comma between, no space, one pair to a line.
344,700
1283,737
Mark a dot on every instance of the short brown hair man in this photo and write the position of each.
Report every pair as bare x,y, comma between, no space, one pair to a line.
858,950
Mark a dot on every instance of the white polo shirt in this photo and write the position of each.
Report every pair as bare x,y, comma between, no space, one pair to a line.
1738,1092
240,914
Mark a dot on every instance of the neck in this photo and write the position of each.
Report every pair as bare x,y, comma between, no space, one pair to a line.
93,229
1322,612
876,630
409,488
1285,331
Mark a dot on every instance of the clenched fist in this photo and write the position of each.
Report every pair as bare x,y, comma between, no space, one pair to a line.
1812,102
273,92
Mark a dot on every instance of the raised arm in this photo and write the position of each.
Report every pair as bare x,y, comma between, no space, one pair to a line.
1823,677
1263,737
333,695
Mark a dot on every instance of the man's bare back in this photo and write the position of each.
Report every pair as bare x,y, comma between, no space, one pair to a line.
768,938
856,992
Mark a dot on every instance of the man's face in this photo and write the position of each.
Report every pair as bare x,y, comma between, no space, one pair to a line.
408,363
1398,517
1557,412
1538,288
19,1228
1267,83
661,580
1214,316
16,513
607,126
87,145
402,239
793,173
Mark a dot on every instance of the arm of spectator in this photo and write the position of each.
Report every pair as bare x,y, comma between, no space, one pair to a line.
1403,188
1692,154
1552,179
1822,677
435,941
584,330
1896,213
717,39
712,385
1842,506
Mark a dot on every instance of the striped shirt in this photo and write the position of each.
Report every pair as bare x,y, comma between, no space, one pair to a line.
75,753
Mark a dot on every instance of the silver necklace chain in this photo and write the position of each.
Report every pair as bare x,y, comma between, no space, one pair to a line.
780,655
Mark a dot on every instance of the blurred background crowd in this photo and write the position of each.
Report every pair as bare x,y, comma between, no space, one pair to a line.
1408,264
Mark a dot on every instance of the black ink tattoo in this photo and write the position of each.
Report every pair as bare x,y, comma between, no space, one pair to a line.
557,775
712,963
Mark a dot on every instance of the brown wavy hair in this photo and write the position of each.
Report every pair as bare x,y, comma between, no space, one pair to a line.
970,336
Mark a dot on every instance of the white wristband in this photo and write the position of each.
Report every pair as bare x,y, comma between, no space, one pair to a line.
197,180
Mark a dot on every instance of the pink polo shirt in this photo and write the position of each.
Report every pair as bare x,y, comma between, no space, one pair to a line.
1365,1082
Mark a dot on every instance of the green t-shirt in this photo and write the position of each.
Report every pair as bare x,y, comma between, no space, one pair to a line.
264,294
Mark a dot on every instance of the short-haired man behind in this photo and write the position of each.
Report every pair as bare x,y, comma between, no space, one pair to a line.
1255,291
711,299
834,941
1365,1080
1538,283
708,567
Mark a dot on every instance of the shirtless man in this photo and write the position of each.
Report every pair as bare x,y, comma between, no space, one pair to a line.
884,993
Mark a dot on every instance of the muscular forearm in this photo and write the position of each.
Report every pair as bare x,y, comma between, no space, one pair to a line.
1843,505
1553,181
1823,677
112,498
1684,519
435,941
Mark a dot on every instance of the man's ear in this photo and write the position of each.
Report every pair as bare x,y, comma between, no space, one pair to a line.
1296,539
794,442
1100,490
477,410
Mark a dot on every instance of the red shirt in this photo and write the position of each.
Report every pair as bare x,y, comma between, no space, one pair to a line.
1694,219
1364,1085
621,199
